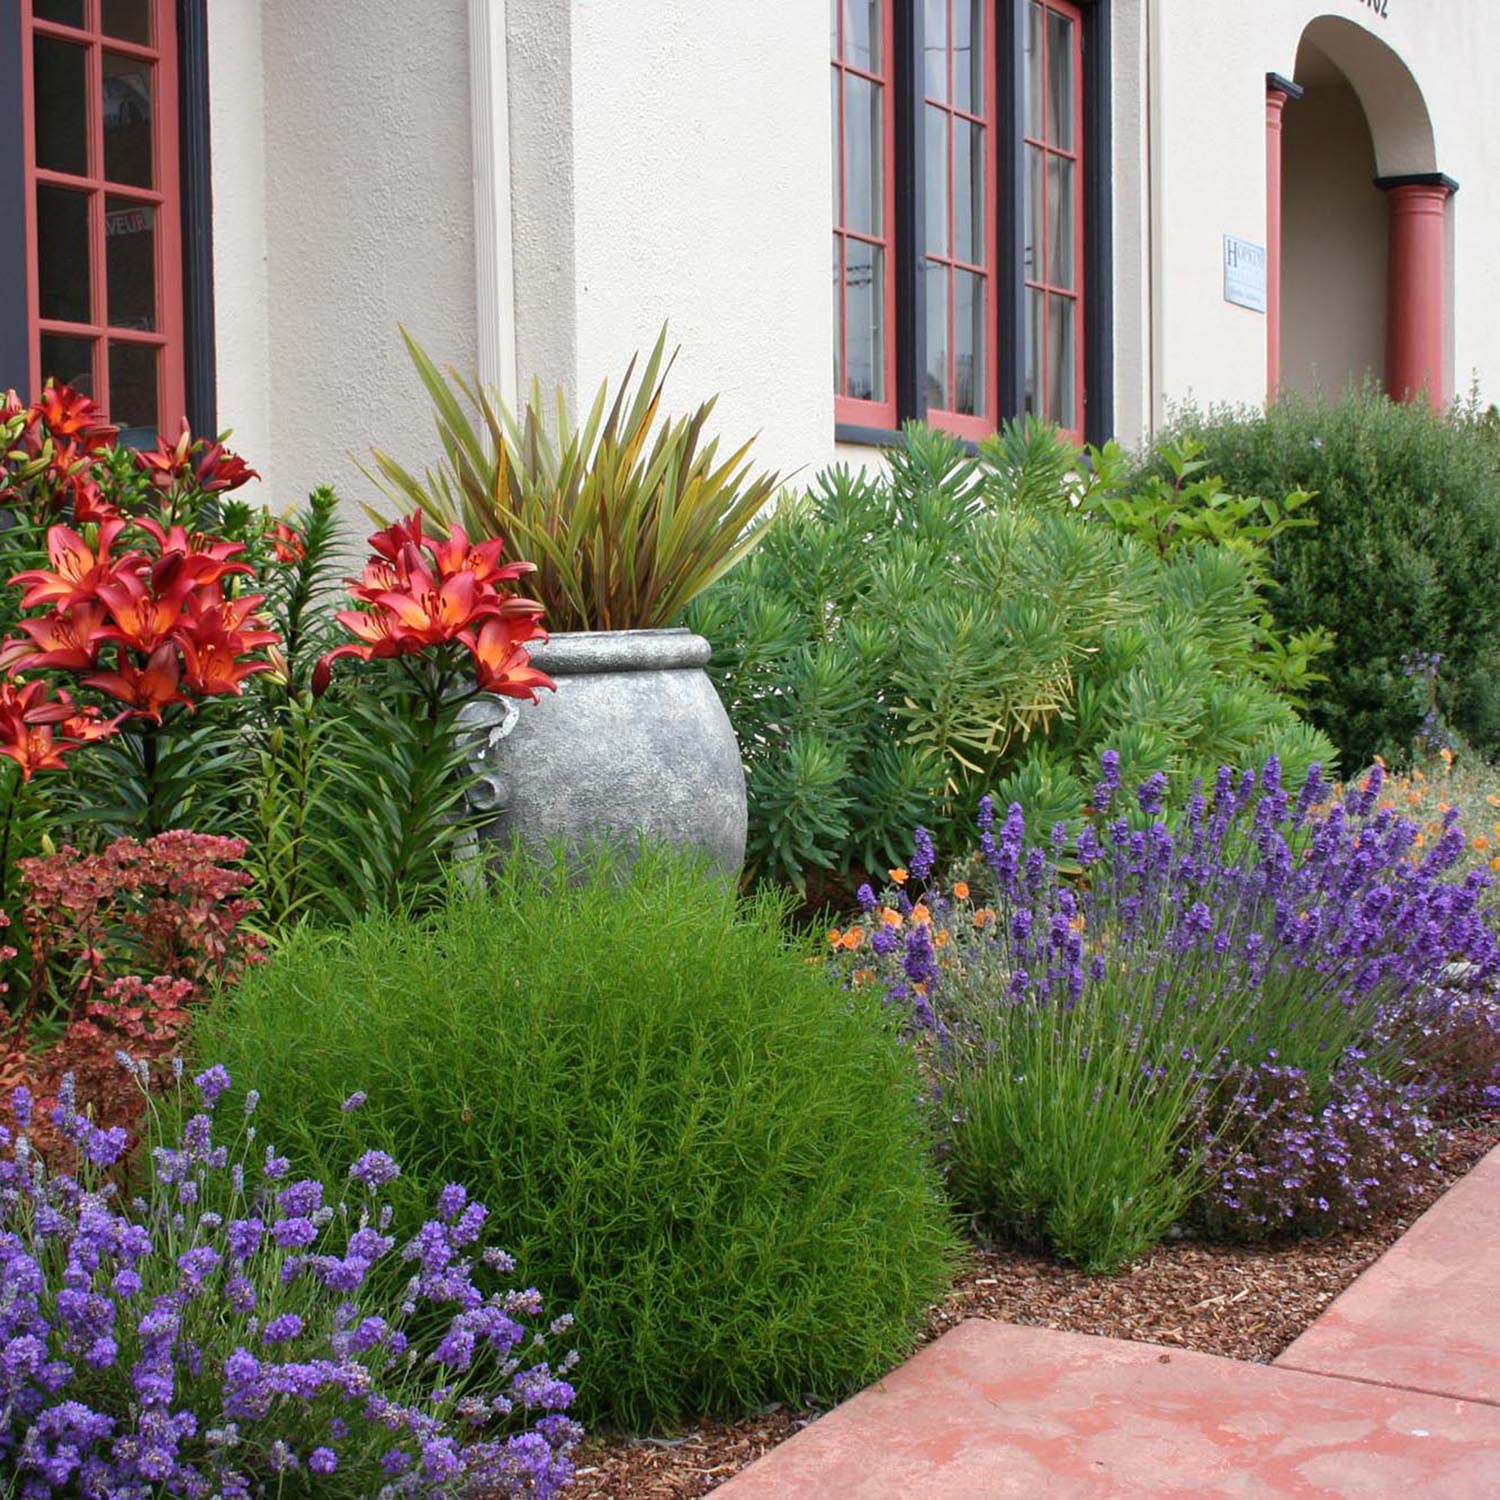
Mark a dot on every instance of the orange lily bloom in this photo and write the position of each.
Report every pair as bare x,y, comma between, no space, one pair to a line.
142,619
501,662
65,641
77,569
147,690
431,612
213,662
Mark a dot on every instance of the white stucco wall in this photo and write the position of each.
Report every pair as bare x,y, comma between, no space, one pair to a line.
702,173
670,161
343,211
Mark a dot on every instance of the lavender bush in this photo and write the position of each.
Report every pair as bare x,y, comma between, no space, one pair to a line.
1233,1017
211,1338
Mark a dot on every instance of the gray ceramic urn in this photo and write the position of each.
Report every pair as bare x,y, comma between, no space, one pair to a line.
634,742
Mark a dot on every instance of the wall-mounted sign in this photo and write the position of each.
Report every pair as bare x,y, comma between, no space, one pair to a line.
1382,8
1244,274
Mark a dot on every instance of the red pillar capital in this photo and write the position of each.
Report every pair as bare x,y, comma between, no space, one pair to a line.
1416,316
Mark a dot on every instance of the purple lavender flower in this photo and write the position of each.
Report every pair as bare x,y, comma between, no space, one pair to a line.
375,1169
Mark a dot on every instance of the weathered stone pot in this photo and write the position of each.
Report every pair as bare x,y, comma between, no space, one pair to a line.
634,742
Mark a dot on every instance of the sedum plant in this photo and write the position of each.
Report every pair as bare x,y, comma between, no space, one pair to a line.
627,515
898,646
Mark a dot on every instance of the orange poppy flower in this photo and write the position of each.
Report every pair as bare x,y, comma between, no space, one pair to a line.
899,876
853,938
920,914
960,890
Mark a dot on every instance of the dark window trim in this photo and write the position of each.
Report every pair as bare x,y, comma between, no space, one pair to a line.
15,337
1010,298
1098,225
197,200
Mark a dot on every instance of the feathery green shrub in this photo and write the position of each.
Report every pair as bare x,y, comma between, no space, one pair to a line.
896,647
686,1135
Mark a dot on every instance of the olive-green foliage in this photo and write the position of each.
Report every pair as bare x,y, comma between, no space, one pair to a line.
897,647
685,1134
1404,558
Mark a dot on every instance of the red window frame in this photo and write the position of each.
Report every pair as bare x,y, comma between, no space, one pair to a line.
973,425
163,197
852,409
1038,283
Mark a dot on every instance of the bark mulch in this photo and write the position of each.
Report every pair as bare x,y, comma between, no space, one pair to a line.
1241,1302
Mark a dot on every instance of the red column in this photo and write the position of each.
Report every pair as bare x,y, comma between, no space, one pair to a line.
1278,91
1415,316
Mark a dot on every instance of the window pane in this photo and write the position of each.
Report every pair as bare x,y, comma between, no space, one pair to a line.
1060,221
127,120
935,48
969,205
130,20
968,55
1060,79
130,263
862,34
1060,361
935,185
62,234
1035,305
69,361
1035,125
838,319
937,335
864,311
61,106
132,393
968,342
1031,219
833,27
862,154
64,12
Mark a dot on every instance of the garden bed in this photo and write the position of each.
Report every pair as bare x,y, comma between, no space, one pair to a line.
1239,1302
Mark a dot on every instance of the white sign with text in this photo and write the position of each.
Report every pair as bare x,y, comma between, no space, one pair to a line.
1244,274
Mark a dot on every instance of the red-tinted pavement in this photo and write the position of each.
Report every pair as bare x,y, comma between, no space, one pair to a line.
1394,1394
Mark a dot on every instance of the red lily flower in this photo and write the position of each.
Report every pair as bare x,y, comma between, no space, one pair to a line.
73,421
23,703
501,662
89,724
206,559
66,640
379,635
400,536
143,619
457,555
287,543
207,611
169,462
77,569
429,612
213,664
219,470
34,749
147,690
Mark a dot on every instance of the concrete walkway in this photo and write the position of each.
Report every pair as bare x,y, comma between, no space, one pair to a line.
1392,1394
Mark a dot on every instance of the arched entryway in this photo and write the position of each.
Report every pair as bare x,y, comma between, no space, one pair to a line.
1363,274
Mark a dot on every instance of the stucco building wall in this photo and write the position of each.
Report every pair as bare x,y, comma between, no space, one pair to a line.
670,160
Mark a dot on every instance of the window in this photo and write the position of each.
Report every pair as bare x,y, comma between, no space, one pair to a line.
1052,257
971,214
101,171
864,288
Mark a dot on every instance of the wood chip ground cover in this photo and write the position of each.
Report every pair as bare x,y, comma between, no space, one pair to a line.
1237,1301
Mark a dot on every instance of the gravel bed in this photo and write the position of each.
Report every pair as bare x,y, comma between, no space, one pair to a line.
1241,1302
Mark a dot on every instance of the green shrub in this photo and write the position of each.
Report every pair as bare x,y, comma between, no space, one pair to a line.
1402,563
686,1135
898,646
